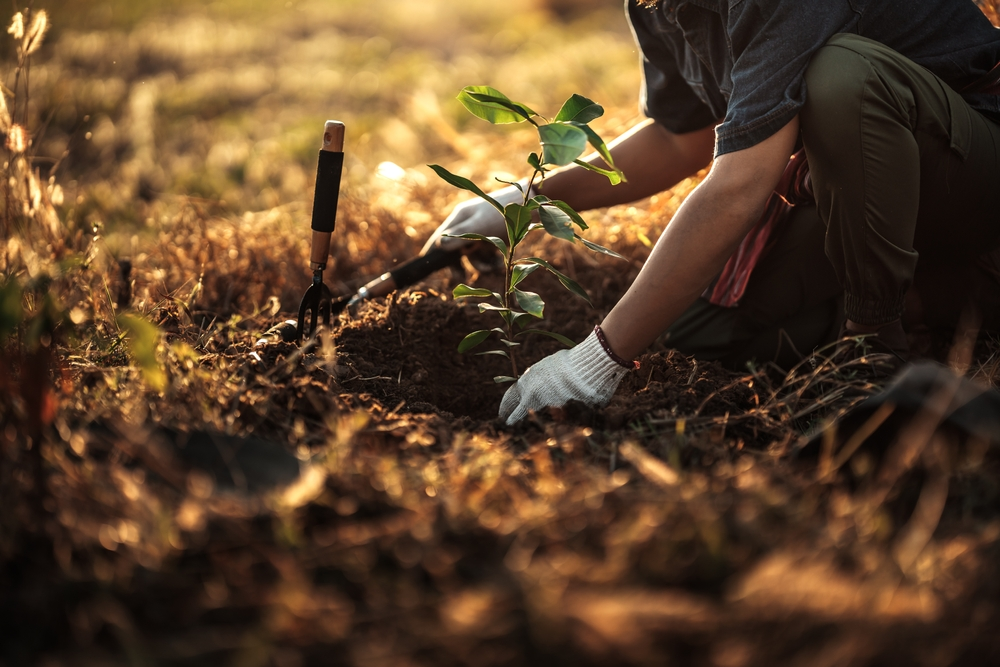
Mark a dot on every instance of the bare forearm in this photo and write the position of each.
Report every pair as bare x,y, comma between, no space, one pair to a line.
702,235
652,158
680,267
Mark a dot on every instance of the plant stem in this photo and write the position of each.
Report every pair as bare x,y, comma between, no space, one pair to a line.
509,321
508,276
527,190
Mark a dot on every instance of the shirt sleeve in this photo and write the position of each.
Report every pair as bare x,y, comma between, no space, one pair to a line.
772,42
666,96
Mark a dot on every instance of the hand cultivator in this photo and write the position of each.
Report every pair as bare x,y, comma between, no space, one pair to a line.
318,305
317,300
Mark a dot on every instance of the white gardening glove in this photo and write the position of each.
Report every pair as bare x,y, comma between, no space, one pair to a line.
475,216
585,373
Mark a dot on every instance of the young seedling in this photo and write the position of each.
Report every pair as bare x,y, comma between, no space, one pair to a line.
562,142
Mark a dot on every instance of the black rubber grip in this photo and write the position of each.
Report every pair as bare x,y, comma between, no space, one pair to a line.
419,268
328,172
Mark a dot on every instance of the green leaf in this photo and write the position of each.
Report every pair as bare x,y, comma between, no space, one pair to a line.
531,302
473,339
483,307
536,163
601,148
48,314
493,106
566,281
464,184
568,210
463,291
520,272
495,240
551,334
501,353
561,143
510,343
614,176
518,220
556,222
143,337
599,248
11,311
500,379
580,109
521,319
520,188
542,200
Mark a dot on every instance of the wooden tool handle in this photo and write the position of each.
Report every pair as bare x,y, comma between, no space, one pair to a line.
333,137
328,174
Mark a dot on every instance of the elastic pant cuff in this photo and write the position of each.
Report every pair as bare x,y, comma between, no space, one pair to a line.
873,313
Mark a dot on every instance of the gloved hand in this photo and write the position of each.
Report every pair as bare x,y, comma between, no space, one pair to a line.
586,373
475,216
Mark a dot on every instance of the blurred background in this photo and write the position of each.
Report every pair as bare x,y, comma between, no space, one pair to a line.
225,101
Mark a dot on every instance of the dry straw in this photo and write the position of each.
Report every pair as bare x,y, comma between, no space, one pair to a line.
16,28
25,197
36,33
5,119
17,140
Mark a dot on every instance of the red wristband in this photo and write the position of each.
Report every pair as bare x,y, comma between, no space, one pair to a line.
631,365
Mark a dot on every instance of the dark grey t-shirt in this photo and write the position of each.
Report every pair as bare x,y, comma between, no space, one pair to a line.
744,61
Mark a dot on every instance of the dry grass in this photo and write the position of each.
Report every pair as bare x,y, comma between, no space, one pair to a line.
409,538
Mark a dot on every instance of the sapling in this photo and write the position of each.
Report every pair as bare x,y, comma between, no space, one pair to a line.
562,141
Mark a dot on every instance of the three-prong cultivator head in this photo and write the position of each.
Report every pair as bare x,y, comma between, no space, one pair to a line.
317,303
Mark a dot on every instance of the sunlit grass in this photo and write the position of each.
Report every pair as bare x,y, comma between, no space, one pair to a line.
192,129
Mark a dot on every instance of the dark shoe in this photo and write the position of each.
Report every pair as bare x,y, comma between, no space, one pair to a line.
889,339
883,351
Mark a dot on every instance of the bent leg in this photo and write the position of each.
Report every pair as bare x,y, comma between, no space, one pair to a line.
900,165
791,305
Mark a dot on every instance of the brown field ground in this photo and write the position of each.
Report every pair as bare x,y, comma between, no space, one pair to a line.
176,496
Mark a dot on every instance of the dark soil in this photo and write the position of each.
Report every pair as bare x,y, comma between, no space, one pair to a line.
674,526
404,349
670,385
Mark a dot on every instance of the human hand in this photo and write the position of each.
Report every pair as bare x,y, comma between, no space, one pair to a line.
475,216
585,373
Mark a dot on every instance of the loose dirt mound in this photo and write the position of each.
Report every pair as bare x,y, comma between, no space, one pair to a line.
403,350
670,384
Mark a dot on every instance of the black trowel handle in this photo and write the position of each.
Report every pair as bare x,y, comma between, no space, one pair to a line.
419,268
409,273
328,173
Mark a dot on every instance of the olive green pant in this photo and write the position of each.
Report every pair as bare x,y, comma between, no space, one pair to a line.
792,304
902,168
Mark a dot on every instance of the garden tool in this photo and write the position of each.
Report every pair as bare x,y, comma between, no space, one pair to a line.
402,276
317,299
318,303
